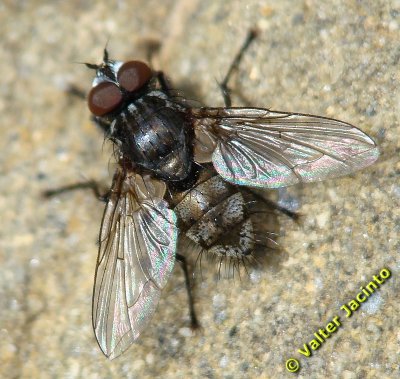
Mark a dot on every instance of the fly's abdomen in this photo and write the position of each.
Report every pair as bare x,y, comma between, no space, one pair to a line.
213,214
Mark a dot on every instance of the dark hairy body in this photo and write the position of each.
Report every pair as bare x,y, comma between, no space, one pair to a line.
183,173
154,134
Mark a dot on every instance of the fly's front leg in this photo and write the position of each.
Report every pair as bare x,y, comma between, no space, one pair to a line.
226,91
164,83
193,318
75,91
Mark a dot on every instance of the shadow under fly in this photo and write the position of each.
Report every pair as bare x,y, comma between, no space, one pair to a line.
187,172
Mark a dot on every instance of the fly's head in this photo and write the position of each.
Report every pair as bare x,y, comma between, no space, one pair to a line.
115,84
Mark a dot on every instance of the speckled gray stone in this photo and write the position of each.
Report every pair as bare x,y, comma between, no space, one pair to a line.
337,59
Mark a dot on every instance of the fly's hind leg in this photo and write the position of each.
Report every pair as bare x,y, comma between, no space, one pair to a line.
295,216
226,91
193,318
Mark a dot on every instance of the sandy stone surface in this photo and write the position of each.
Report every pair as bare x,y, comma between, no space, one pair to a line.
338,59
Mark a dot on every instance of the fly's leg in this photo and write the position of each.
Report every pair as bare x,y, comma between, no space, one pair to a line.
293,215
164,83
167,88
90,184
75,91
226,91
193,318
152,48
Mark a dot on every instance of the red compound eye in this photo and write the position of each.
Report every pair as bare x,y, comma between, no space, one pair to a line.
104,98
134,75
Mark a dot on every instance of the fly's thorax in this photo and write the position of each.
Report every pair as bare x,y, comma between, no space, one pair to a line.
153,133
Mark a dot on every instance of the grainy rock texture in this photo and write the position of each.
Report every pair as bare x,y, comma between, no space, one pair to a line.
336,58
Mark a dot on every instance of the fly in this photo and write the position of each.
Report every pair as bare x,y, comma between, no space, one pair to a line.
182,173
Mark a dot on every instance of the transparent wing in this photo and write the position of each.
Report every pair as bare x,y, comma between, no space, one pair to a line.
257,147
136,256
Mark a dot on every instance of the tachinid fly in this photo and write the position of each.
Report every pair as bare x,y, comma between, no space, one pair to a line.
179,174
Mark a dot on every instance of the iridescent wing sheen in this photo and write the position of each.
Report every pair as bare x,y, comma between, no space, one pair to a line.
138,240
260,148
